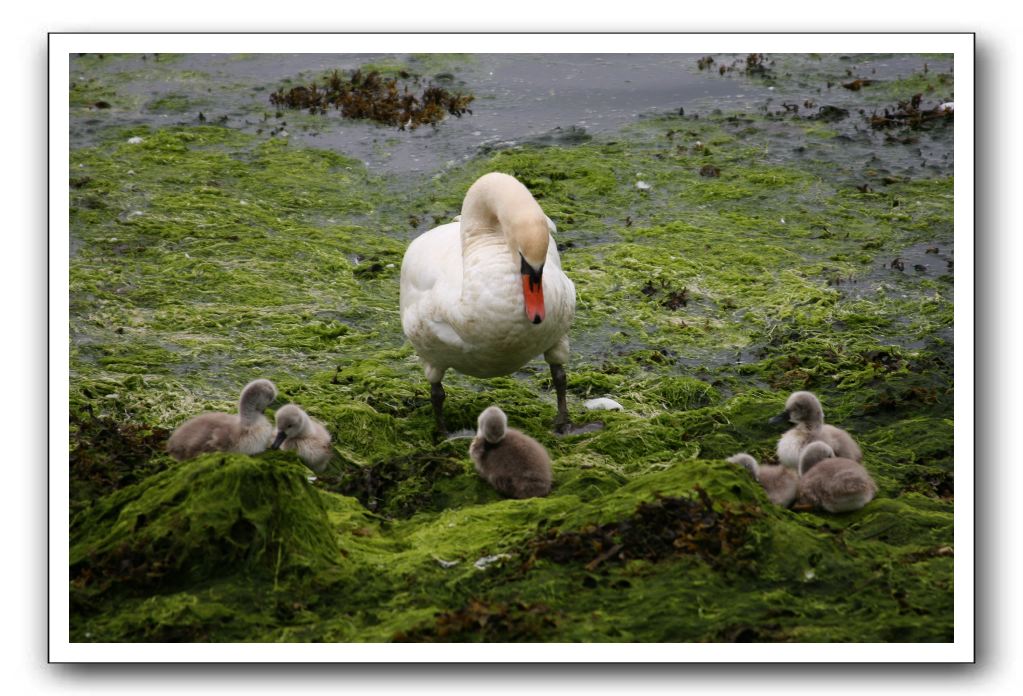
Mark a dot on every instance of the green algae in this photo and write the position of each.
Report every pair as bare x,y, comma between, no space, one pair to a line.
925,74
936,85
204,258
440,62
94,95
175,103
106,454
174,530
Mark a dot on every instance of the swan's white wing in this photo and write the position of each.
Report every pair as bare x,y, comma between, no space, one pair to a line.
431,284
431,271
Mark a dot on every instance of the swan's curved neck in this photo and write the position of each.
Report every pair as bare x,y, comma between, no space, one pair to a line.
480,239
248,411
248,407
499,210
812,457
498,200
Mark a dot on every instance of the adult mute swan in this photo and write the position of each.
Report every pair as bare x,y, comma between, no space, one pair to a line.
485,295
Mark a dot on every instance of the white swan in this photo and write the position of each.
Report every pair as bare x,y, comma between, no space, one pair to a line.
485,295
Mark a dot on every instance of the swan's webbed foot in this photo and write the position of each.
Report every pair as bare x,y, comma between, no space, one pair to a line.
572,429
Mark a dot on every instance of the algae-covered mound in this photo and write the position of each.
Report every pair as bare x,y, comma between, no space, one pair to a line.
217,515
203,257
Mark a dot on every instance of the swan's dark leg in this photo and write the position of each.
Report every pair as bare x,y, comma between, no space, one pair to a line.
561,422
437,399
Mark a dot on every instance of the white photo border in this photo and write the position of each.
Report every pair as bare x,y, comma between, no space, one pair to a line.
960,44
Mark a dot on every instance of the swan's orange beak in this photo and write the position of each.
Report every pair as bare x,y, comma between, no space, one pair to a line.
532,291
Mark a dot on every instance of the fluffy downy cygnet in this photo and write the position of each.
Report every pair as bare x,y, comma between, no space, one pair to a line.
247,432
835,484
779,482
512,462
803,409
298,432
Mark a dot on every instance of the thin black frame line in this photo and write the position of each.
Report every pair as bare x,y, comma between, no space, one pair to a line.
973,645
49,365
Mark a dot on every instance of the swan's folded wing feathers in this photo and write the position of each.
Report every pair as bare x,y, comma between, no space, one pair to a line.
417,276
446,334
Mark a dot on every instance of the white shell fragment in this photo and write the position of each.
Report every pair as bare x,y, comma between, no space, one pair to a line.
603,404
490,560
134,140
643,186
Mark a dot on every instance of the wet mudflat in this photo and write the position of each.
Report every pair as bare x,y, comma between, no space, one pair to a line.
736,230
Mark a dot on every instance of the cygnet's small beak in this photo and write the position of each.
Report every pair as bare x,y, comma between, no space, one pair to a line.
281,437
782,417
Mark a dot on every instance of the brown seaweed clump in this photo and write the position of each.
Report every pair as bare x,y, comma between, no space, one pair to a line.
754,64
107,455
661,528
377,98
909,113
394,487
482,621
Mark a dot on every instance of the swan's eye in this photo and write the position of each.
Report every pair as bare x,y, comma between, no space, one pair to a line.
527,270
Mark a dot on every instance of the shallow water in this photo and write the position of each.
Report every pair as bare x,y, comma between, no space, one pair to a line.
520,98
